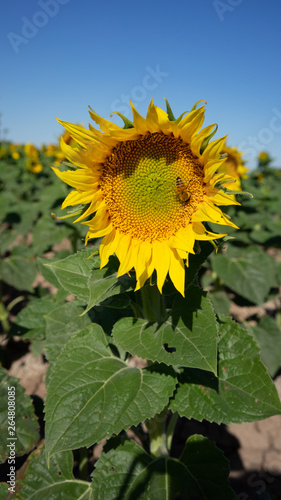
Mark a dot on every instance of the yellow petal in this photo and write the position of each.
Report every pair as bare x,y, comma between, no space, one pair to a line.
79,179
140,123
207,212
202,234
94,206
152,116
177,272
98,234
161,261
192,115
80,134
214,149
100,220
184,239
108,246
126,253
78,197
105,125
221,198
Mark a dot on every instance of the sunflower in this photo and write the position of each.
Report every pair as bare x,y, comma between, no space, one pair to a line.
151,186
234,166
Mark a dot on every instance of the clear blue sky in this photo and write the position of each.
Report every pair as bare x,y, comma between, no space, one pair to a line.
58,56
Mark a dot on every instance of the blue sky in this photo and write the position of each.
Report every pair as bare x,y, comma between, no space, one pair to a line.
58,56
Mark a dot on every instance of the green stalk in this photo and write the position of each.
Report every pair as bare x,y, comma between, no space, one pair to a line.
171,429
156,427
83,464
153,304
4,318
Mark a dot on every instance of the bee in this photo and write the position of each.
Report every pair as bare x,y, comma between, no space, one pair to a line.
183,193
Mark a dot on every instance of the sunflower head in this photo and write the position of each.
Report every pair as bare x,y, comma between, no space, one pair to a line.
264,159
152,187
234,167
30,151
33,165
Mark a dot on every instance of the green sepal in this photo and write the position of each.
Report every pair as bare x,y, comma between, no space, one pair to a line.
127,122
177,121
169,111
65,164
207,139
78,210
229,191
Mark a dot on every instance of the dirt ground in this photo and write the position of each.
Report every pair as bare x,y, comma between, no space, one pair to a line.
253,450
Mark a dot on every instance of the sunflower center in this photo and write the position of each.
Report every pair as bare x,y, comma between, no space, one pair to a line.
151,186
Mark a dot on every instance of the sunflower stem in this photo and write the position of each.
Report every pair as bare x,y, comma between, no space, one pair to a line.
153,304
83,463
4,318
156,427
170,430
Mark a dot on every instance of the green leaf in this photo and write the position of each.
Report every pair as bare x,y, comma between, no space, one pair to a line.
47,233
18,272
62,323
31,318
268,337
4,490
187,338
103,284
87,281
26,432
251,275
243,390
46,271
93,394
50,195
23,215
125,470
221,302
7,238
74,271
55,481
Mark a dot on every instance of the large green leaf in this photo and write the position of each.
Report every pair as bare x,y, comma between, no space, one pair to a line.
93,394
31,319
26,426
19,272
47,233
251,275
104,284
87,281
268,337
74,271
40,481
125,471
62,323
7,238
46,271
187,338
243,390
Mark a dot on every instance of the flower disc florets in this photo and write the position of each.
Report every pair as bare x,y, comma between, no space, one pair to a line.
138,183
151,187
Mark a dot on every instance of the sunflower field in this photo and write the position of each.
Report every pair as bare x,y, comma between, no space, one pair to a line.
141,263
